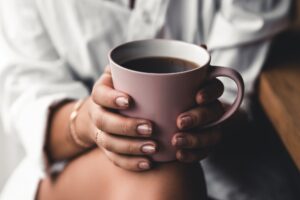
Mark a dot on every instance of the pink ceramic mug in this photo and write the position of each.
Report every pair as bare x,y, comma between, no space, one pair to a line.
161,97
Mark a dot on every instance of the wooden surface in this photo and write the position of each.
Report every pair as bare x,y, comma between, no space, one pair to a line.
279,94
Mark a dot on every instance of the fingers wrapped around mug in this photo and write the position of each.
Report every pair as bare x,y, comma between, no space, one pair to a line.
194,146
116,124
105,95
126,152
210,92
200,116
124,145
132,163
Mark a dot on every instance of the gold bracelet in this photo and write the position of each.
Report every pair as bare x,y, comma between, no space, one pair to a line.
73,117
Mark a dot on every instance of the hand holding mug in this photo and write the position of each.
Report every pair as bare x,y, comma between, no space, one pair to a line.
163,77
125,141
192,143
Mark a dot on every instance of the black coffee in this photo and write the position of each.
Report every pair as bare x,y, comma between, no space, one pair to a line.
159,65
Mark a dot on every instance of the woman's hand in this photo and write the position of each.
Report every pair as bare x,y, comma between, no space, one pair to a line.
125,141
193,144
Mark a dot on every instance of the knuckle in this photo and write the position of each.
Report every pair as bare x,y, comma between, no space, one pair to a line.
127,126
196,116
105,96
192,141
109,98
125,164
131,149
99,121
197,141
97,89
103,77
108,146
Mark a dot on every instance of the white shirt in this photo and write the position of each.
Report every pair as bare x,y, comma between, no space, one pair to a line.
54,49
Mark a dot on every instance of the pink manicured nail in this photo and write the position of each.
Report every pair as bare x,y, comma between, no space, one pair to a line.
122,101
144,129
148,148
144,165
200,98
186,122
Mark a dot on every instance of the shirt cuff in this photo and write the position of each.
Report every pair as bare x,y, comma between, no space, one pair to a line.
32,121
24,182
31,118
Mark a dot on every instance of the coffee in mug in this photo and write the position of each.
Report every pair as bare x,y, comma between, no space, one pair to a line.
159,65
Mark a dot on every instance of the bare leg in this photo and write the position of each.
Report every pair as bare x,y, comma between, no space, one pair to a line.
92,176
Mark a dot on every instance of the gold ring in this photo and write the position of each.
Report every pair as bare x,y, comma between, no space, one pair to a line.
99,132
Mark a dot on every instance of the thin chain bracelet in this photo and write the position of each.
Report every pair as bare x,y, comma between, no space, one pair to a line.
73,117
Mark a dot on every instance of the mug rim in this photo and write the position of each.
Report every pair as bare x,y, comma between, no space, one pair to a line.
158,74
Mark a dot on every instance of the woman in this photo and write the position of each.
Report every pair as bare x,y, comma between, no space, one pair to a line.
59,51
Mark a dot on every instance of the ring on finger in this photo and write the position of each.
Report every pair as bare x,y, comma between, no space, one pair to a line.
98,136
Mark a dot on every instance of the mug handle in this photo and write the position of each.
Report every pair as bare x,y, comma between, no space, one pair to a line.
216,71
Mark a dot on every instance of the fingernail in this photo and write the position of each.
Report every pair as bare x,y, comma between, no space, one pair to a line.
181,141
122,101
201,98
144,129
148,149
186,121
182,156
144,165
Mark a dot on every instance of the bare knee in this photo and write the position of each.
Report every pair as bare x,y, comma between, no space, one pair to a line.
182,181
93,176
171,181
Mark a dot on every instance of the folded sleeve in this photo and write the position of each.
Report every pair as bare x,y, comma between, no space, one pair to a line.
240,37
33,77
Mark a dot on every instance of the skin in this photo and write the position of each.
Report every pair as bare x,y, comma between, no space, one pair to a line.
117,155
92,176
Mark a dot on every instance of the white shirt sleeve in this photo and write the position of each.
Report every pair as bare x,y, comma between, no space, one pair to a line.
240,37
32,77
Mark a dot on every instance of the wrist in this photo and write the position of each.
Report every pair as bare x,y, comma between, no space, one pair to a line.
83,125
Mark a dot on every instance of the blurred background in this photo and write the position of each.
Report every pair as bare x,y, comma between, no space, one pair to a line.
272,138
